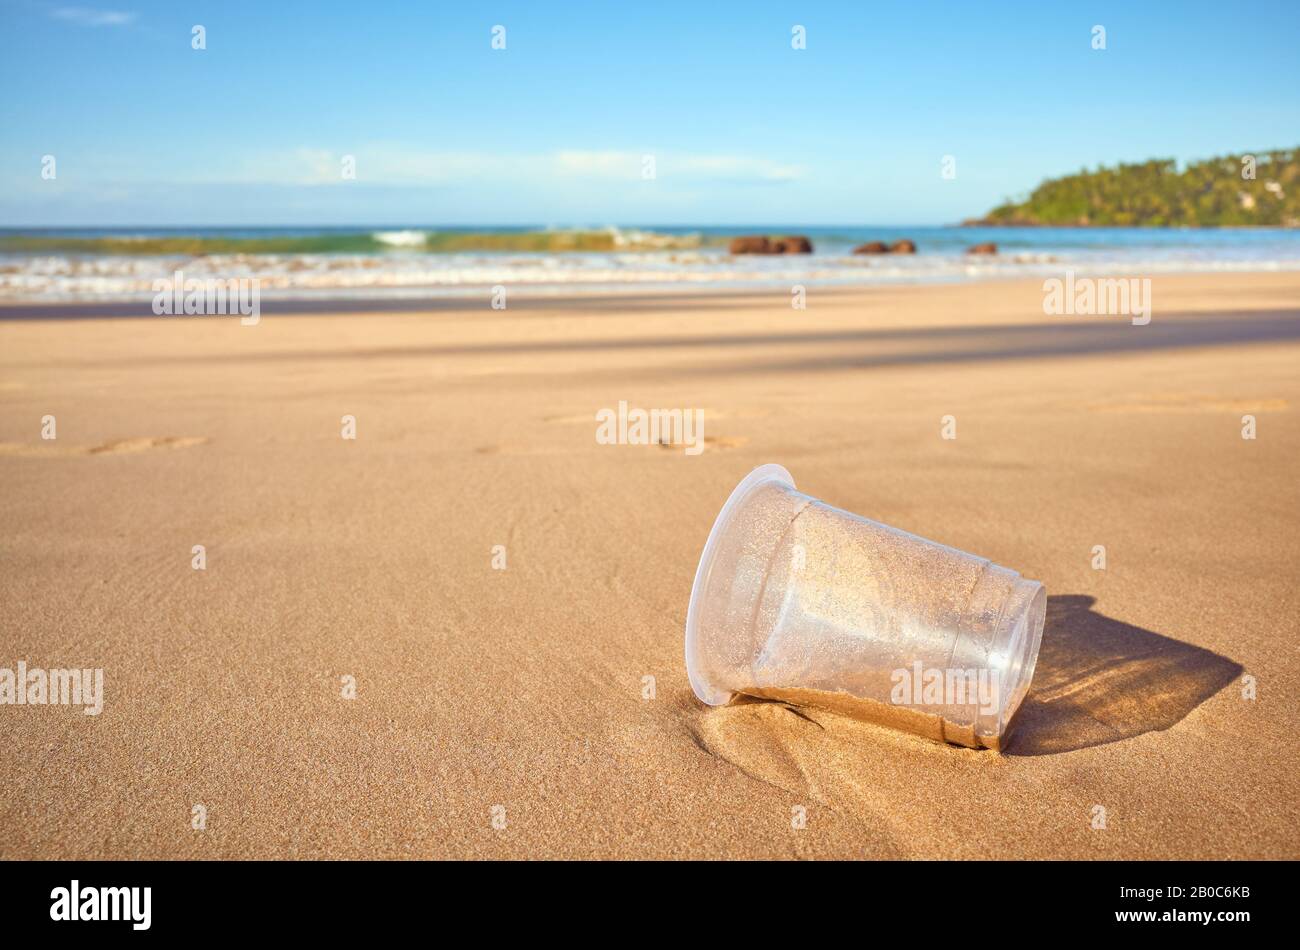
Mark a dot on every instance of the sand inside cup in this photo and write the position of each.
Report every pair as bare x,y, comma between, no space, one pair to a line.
902,718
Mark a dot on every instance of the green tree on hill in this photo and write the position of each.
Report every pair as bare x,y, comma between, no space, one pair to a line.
1211,193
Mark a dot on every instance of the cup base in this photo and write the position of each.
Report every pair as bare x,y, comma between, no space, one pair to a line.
1022,622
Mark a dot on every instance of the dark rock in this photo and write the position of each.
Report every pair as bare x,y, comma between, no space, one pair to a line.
872,247
760,244
751,244
903,247
987,247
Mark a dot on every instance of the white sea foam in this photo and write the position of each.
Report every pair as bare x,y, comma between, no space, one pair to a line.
409,239
58,278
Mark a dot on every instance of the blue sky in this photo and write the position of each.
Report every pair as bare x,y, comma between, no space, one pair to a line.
444,130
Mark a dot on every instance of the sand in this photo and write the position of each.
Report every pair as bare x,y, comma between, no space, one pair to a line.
511,713
915,721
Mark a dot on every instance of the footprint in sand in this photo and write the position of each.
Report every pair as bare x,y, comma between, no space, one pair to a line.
116,447
717,443
589,418
714,443
145,443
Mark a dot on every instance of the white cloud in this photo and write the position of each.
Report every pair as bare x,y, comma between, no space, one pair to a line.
386,163
730,167
86,16
595,164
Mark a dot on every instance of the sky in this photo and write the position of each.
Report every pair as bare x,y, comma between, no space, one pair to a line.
555,129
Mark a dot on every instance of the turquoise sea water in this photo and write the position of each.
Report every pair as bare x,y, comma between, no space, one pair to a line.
410,261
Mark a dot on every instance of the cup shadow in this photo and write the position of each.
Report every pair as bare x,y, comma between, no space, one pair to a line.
1101,680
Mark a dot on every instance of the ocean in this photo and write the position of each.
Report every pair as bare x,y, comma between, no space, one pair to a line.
121,264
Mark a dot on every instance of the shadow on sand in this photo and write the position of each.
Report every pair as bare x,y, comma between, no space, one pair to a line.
1100,680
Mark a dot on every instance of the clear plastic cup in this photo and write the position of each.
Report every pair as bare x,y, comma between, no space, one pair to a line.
797,601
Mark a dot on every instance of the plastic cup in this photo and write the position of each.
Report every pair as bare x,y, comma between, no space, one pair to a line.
797,601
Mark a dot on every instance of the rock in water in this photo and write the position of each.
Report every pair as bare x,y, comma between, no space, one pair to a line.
760,244
751,244
871,247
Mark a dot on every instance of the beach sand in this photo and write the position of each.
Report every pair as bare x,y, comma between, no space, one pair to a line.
506,713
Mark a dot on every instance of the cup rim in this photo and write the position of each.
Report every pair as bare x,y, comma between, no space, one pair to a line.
708,692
